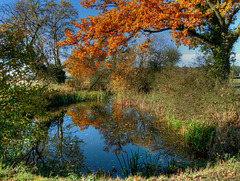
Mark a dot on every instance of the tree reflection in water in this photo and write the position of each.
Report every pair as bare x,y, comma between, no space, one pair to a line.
119,126
110,127
61,150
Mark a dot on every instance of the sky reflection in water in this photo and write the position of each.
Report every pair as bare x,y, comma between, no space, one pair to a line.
91,135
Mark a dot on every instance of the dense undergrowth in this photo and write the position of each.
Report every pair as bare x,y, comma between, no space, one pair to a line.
197,108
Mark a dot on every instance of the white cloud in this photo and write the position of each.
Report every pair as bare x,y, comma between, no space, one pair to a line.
189,60
238,56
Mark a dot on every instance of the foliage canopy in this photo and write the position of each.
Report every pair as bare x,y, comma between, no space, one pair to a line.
192,23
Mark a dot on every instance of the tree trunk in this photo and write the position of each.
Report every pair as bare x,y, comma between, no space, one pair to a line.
221,60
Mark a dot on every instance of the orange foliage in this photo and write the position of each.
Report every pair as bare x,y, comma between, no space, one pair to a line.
121,75
108,65
119,21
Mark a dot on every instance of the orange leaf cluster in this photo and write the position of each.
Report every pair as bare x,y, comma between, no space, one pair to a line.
121,20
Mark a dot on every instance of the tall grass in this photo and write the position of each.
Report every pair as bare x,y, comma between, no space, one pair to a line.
130,165
196,108
63,94
66,98
147,165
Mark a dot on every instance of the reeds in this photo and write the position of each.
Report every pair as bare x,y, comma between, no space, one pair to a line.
134,164
60,99
200,134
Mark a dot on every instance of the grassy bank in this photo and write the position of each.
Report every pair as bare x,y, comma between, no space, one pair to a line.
65,95
60,99
196,108
205,136
227,169
206,120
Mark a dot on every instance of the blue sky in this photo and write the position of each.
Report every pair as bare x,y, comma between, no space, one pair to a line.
188,55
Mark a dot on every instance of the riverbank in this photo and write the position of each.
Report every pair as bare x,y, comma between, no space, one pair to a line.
226,169
65,95
198,133
208,136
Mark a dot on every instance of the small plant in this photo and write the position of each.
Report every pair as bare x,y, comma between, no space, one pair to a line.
146,166
130,166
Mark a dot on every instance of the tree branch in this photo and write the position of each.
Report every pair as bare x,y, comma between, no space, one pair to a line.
232,15
220,18
203,40
235,34
156,31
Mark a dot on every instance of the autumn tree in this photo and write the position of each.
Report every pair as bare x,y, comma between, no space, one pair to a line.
30,16
134,68
44,21
207,23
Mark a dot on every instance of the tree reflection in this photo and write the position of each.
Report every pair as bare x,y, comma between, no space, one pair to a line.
62,150
119,126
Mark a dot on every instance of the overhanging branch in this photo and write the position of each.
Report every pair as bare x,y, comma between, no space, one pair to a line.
236,34
156,31
198,37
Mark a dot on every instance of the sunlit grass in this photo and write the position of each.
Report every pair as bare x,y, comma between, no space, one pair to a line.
211,130
63,94
60,99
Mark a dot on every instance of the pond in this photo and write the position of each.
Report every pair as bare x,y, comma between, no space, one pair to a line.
94,137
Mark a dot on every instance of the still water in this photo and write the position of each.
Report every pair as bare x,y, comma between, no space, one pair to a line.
87,137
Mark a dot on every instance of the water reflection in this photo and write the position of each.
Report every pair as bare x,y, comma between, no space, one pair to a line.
119,126
62,150
89,135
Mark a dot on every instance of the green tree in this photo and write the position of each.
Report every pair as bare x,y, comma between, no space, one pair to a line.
21,99
160,53
44,21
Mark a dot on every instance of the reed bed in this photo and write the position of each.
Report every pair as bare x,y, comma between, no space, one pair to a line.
66,98
205,136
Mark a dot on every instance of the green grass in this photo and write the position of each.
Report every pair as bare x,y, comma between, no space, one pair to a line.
210,135
63,95
225,169
66,98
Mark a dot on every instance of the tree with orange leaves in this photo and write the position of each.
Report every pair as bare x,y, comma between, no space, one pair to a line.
192,23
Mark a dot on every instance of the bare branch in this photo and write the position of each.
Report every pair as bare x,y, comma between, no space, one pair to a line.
156,31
